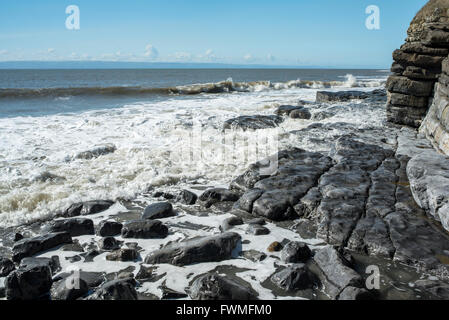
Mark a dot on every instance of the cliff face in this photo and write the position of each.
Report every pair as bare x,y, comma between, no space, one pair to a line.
418,65
436,123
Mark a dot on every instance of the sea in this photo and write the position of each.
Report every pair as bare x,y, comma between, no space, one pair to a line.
139,125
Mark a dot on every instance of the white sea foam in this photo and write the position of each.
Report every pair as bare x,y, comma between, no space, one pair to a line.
146,134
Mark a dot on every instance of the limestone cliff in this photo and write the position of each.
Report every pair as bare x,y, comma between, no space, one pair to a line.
418,65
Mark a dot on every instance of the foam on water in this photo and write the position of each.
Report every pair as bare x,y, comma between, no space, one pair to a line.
148,136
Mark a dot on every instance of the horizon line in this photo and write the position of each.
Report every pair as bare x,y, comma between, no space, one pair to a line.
154,65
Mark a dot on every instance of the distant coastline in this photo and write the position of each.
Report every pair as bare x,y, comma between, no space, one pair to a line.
159,65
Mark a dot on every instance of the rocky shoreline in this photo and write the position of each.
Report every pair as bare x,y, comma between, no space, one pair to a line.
366,199
308,230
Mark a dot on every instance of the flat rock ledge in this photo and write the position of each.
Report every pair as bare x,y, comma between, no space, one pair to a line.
205,249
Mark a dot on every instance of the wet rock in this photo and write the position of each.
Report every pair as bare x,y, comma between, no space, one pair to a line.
353,293
297,171
295,251
204,249
429,182
230,222
145,273
257,230
123,255
2,288
214,287
437,288
29,247
144,229
259,221
246,201
96,152
253,122
47,176
161,194
87,208
286,109
295,277
170,294
75,226
254,255
92,279
187,197
158,210
108,244
214,195
321,115
301,113
69,289
52,263
340,96
30,282
108,228
6,266
18,237
75,246
306,229
115,290
275,246
336,274
90,255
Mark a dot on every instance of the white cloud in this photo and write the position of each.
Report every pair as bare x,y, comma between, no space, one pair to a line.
2,52
50,50
183,56
270,57
151,52
248,57
210,55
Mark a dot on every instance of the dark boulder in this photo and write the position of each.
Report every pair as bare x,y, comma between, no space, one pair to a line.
75,226
253,122
29,247
204,249
144,229
295,277
353,293
285,110
119,289
301,113
109,228
214,287
336,274
187,197
340,96
108,244
295,251
124,255
69,289
96,152
158,210
257,230
214,195
87,208
53,263
29,283
230,222
92,279
6,266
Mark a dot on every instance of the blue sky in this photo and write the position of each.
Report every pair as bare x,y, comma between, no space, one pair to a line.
283,32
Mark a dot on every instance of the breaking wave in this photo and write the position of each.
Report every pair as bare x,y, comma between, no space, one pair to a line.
227,86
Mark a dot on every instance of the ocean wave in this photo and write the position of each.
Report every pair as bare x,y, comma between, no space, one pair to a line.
227,86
